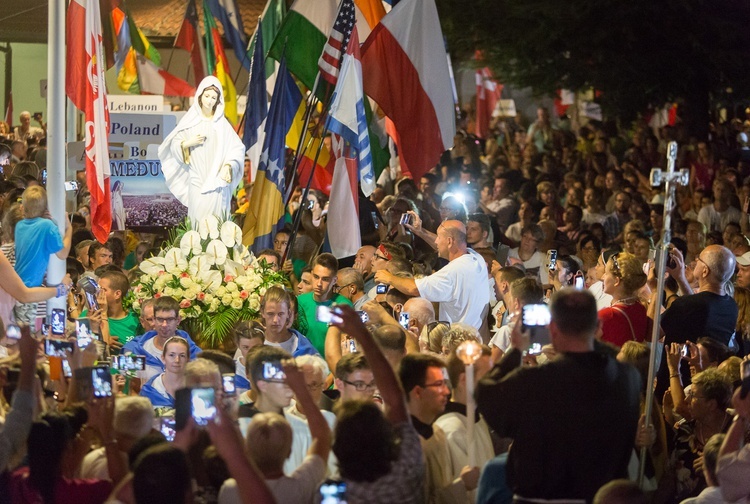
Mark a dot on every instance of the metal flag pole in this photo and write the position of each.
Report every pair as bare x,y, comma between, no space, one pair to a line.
672,179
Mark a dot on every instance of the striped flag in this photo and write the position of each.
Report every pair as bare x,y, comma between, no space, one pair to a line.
333,52
229,16
218,65
189,40
346,116
257,104
85,86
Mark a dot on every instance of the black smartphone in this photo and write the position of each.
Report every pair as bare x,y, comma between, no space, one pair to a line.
333,492
326,315
167,428
403,320
13,332
84,336
129,362
381,289
91,298
578,281
44,177
203,405
551,259
227,382
101,382
502,254
58,321
272,371
535,319
57,347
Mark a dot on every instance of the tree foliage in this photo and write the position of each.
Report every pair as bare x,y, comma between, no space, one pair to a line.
637,52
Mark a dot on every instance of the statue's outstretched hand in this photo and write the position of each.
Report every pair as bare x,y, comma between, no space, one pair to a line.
226,173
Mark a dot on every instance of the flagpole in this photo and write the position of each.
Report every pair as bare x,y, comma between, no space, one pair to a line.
298,217
56,136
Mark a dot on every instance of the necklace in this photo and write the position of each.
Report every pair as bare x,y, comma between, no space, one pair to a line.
626,301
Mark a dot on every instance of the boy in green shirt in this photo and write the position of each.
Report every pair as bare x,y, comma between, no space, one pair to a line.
324,269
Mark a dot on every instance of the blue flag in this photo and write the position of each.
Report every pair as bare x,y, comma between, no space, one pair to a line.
265,214
257,105
228,14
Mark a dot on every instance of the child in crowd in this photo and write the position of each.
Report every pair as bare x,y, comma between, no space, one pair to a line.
37,237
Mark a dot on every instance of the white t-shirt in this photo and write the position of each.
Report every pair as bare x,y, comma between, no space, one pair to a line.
717,221
461,287
501,338
302,440
299,487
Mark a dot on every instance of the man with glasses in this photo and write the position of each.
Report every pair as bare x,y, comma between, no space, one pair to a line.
354,379
427,387
710,312
349,283
151,344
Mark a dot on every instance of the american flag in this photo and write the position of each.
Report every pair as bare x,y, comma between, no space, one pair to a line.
333,52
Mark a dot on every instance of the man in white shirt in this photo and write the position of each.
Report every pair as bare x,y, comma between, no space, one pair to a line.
461,287
717,215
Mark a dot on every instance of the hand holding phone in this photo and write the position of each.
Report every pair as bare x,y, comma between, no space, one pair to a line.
202,405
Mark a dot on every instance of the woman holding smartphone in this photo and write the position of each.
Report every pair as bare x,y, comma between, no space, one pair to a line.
160,389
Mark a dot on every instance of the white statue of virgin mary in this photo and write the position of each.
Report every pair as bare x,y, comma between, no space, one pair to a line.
203,158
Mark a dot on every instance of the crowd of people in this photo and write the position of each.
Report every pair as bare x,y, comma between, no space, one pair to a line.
538,246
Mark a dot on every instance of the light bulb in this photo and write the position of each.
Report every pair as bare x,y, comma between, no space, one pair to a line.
469,351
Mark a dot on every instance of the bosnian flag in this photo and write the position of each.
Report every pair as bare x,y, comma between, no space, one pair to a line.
154,80
346,116
85,86
405,70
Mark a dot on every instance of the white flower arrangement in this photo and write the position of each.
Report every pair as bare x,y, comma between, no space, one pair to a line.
214,277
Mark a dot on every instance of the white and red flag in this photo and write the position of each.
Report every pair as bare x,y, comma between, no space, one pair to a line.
86,88
488,93
405,70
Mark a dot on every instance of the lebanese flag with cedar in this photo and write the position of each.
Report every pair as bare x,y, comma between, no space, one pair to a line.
405,70
85,86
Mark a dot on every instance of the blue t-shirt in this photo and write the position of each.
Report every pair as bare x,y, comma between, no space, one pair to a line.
36,239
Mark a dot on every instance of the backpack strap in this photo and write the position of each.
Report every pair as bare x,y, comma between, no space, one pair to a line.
620,310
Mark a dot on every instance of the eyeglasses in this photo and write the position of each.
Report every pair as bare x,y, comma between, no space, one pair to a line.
704,262
361,386
339,288
433,325
616,266
378,256
168,320
438,384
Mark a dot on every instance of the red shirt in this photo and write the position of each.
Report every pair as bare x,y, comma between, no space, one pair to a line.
615,327
67,491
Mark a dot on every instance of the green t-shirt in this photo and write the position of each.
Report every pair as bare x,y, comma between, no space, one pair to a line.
125,328
316,331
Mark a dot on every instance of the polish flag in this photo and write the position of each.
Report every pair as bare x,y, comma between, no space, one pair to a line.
154,80
488,93
405,70
85,86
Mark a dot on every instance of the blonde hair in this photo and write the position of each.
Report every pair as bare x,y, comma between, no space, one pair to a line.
269,441
457,334
630,271
34,201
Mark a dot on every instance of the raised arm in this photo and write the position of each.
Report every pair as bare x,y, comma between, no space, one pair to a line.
319,429
388,385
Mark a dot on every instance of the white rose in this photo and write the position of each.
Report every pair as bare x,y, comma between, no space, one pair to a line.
253,303
262,291
221,291
215,303
208,299
178,293
226,299
198,309
235,295
186,282
190,293
231,287
236,304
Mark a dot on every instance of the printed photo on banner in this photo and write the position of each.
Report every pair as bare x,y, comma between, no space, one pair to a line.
140,197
